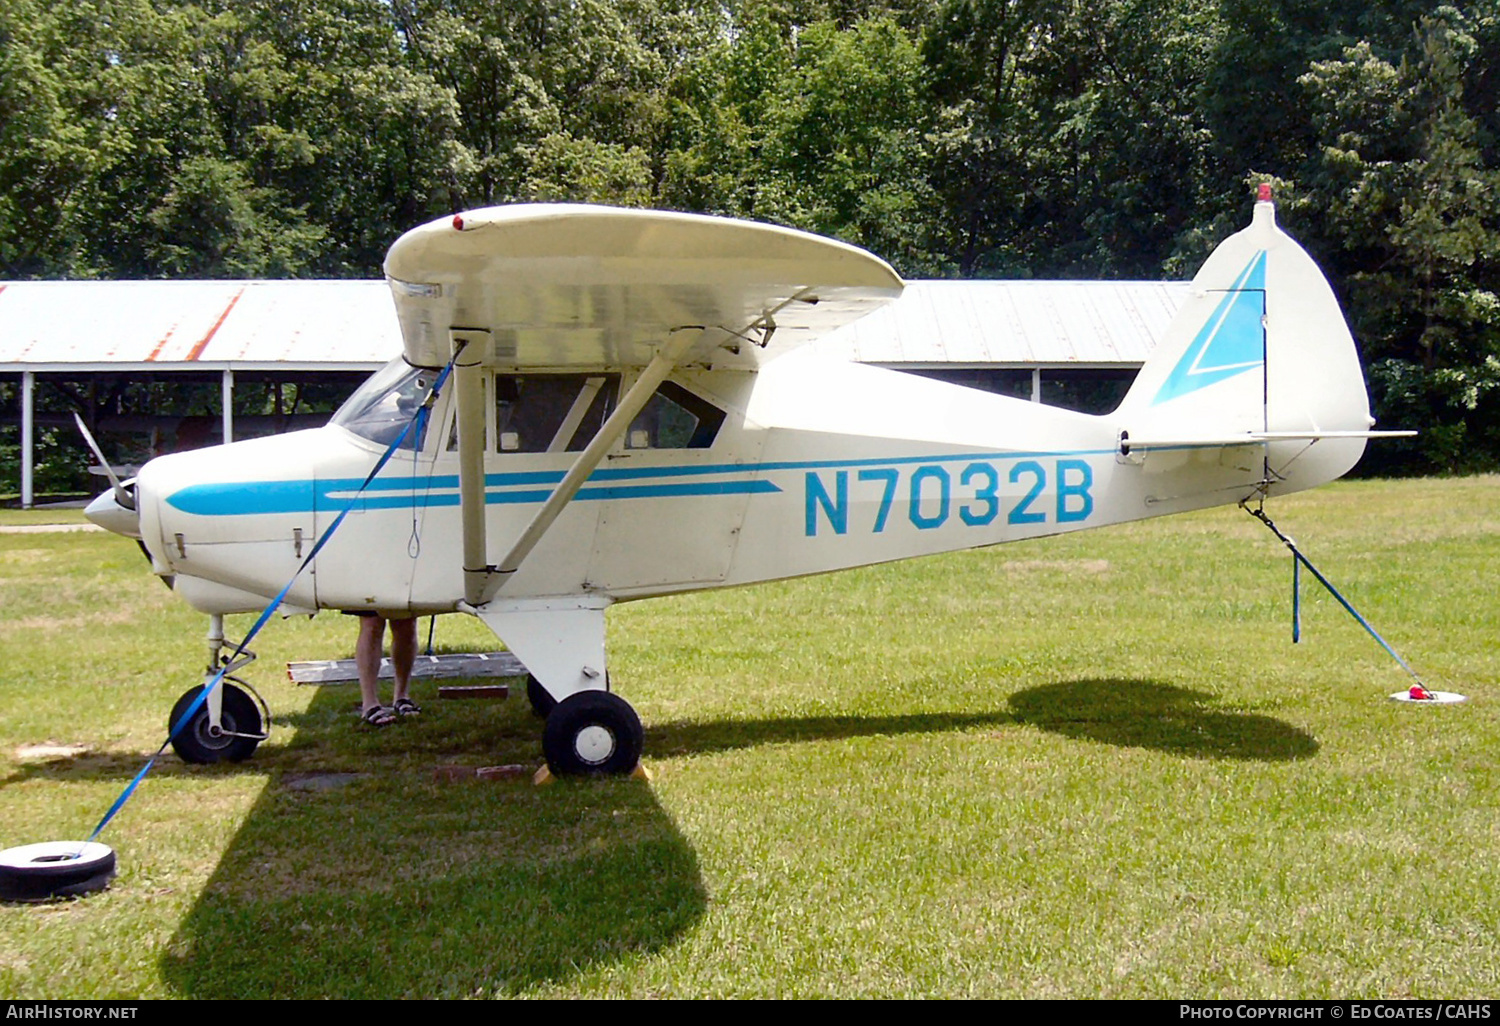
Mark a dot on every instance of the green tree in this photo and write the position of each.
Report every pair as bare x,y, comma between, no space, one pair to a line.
80,87
1407,182
844,148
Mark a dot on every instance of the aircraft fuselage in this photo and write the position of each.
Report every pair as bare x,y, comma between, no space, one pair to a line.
817,465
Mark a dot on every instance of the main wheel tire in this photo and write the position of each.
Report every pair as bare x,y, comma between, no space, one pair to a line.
197,743
542,703
592,733
55,869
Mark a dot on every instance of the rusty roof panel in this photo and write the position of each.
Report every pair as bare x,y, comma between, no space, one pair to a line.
198,322
310,323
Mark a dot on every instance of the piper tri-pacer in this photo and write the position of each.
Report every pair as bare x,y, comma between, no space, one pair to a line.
634,411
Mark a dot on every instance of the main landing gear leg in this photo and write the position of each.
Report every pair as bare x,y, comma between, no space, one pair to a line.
589,730
228,726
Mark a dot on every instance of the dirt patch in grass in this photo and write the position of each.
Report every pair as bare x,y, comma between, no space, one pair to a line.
49,750
18,557
67,623
1066,566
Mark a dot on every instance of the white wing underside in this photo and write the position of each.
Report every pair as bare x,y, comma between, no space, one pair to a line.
570,286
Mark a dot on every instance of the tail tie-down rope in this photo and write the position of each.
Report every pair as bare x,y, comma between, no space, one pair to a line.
1419,691
417,422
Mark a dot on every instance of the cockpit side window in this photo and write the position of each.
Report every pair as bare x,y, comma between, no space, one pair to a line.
535,413
385,404
551,412
545,412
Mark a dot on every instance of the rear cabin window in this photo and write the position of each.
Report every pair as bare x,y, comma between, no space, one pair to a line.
675,418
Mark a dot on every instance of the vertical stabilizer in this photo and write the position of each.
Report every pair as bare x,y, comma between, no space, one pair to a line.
1261,348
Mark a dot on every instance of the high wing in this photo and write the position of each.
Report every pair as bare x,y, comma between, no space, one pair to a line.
568,286
571,286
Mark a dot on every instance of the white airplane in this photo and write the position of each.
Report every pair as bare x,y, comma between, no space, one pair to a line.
634,412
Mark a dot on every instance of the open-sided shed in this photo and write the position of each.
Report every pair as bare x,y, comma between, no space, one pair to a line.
1071,342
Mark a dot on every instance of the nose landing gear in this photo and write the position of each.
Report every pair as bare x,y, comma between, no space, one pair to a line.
229,725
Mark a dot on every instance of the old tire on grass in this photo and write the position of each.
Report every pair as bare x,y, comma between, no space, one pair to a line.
55,869
592,733
197,743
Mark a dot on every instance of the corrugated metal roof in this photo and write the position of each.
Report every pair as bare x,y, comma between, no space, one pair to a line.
341,324
240,324
1015,323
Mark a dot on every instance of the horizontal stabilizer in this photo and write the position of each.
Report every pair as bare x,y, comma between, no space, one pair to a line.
1129,444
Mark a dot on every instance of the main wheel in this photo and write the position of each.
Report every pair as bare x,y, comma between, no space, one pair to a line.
55,869
592,733
542,703
197,742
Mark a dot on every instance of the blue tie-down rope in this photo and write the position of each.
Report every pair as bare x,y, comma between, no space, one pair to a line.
1299,560
1296,601
418,420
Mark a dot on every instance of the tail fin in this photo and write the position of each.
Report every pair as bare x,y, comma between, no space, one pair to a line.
1259,355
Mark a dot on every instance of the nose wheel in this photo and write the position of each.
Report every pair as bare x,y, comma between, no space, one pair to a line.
233,740
592,733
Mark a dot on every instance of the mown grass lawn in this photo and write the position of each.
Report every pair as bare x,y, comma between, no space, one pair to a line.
1086,766
46,515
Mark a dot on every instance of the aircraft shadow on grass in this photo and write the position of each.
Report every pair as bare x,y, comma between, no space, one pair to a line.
1128,713
391,883
1162,717
688,737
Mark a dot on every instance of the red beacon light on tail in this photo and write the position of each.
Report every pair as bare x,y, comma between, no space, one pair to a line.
1264,195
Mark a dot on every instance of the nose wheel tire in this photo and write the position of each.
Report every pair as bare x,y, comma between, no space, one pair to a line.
198,742
592,733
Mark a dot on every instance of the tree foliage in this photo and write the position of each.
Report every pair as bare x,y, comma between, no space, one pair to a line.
241,138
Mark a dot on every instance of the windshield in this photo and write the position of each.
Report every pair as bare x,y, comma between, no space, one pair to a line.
383,406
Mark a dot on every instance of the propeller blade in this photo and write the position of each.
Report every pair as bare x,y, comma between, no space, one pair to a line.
123,497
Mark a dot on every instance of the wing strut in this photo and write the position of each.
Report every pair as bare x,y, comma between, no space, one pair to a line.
468,390
482,580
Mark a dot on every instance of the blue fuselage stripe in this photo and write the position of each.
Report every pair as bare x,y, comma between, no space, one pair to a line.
242,498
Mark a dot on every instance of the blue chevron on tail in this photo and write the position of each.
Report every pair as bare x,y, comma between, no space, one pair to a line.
1232,342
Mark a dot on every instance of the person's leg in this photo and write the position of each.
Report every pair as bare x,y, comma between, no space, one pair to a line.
403,654
367,660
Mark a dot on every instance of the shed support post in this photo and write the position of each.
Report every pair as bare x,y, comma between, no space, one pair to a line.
1036,384
28,437
227,400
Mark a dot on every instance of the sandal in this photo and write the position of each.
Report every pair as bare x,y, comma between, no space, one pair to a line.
378,716
406,707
